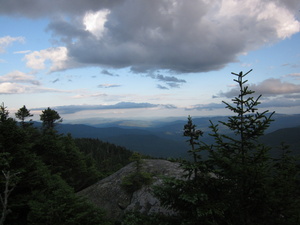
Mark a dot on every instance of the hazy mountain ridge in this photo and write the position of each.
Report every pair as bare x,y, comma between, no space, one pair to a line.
165,139
175,125
138,140
287,136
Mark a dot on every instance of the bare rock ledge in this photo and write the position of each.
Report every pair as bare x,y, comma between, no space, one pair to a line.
110,196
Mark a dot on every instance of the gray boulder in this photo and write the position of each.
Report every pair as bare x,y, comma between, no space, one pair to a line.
109,194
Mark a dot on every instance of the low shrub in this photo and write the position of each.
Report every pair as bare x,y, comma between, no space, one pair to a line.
136,180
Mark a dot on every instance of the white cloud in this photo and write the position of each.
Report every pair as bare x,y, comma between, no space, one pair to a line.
275,87
12,88
208,107
69,109
95,21
285,21
57,56
16,88
17,82
8,40
96,95
18,77
270,13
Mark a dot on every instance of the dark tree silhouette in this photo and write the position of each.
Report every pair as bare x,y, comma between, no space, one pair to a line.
22,114
239,183
50,118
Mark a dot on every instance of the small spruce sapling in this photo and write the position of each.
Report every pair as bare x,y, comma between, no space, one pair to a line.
135,181
194,135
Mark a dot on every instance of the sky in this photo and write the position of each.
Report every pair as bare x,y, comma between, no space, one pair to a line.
141,59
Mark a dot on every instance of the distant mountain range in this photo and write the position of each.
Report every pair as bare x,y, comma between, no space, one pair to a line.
165,139
143,141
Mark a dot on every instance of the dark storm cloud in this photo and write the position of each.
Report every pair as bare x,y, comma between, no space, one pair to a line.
69,109
146,35
182,36
292,5
68,31
176,35
42,8
34,8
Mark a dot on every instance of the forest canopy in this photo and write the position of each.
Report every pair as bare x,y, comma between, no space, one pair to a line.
41,171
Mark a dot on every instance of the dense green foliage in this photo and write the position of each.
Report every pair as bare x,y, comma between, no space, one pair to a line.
50,118
239,183
107,157
42,170
22,114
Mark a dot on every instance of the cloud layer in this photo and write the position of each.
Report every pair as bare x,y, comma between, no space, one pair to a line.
177,35
269,87
8,40
69,109
17,82
275,93
170,81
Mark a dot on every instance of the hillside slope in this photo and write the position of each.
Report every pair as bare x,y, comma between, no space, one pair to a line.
166,140
143,141
288,136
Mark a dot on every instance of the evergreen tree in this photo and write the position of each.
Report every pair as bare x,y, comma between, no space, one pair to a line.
22,114
37,194
3,113
107,158
50,118
63,157
135,180
239,183
194,135
285,190
9,182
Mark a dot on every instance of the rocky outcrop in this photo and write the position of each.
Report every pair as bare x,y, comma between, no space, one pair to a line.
109,194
